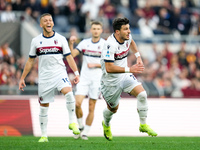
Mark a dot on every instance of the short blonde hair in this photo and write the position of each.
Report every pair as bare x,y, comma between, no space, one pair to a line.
45,14
96,23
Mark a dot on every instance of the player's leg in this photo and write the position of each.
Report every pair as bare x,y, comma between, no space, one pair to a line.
142,107
46,96
82,89
111,95
94,93
79,114
70,104
43,119
89,119
79,111
107,116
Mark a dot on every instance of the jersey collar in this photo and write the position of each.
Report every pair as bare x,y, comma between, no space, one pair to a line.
50,36
117,40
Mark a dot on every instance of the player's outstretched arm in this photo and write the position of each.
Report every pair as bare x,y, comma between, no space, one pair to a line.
73,66
92,65
27,68
111,68
134,48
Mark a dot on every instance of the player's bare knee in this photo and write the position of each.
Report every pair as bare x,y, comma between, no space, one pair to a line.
78,105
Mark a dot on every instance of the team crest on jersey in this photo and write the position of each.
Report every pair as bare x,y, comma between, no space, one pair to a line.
55,41
126,44
40,42
108,46
99,47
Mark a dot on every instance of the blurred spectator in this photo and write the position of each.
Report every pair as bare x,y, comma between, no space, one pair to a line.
184,22
101,17
92,8
195,24
136,16
182,54
35,7
8,15
164,22
2,4
5,52
133,5
4,73
18,5
167,54
181,81
71,12
123,8
148,11
109,11
27,15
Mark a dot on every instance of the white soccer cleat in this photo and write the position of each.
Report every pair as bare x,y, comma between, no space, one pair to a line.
84,137
77,136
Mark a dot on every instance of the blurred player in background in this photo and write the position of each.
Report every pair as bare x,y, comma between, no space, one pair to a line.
117,77
50,47
90,75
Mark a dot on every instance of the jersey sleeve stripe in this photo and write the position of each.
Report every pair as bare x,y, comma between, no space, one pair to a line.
32,56
78,50
66,54
108,60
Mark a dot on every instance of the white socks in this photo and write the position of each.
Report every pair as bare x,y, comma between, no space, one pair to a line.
86,127
70,103
107,115
142,106
80,122
43,119
86,130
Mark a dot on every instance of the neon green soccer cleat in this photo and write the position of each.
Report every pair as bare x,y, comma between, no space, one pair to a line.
107,132
43,139
147,129
74,128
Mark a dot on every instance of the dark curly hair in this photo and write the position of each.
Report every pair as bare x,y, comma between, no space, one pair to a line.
118,22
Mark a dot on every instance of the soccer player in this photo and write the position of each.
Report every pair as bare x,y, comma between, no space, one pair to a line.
90,75
51,47
117,77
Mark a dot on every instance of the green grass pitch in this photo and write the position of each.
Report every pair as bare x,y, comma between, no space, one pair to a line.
100,143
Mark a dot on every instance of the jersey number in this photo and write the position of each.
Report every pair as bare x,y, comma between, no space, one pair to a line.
133,77
65,79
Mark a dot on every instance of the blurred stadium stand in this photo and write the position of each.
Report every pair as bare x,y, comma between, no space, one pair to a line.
172,59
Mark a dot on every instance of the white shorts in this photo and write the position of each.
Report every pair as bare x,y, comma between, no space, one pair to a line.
112,94
46,91
89,87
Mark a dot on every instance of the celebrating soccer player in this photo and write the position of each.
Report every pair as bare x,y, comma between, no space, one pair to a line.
50,47
117,77
90,75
